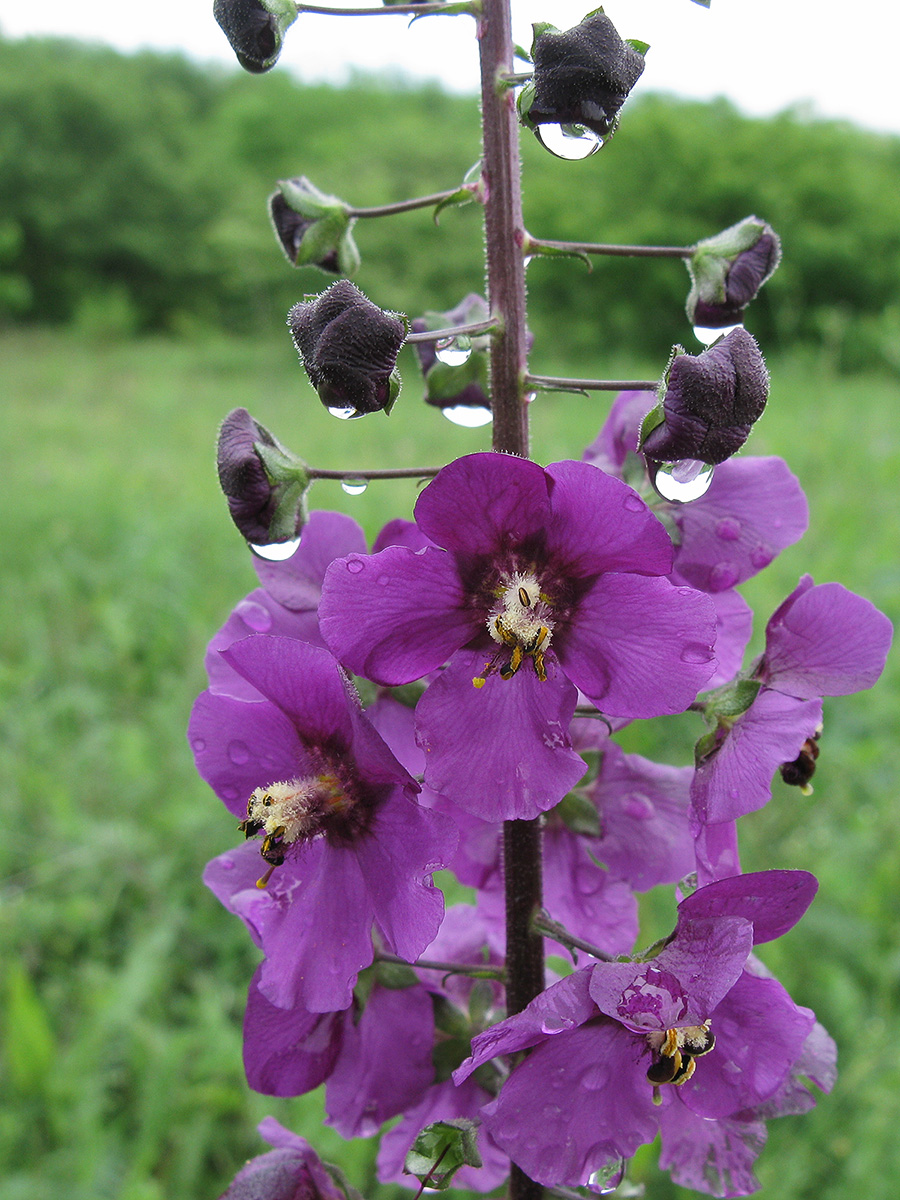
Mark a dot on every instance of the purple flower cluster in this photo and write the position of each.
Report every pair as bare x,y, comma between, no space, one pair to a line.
500,642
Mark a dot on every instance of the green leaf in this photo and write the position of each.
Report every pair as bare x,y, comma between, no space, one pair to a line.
463,195
28,1043
440,1150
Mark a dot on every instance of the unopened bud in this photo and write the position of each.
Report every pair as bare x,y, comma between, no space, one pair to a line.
707,403
728,270
349,347
265,484
581,77
450,384
313,229
255,29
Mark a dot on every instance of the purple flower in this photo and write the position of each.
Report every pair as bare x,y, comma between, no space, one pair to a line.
540,582
287,603
822,641
349,347
290,1171
710,404
727,271
581,76
349,849
610,1041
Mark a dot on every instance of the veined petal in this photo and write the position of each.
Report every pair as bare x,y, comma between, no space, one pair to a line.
502,750
296,582
639,647
396,615
287,1051
484,501
773,900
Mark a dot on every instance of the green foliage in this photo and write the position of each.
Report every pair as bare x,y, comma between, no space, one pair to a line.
133,192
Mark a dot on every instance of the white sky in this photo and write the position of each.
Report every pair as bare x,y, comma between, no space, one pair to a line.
762,54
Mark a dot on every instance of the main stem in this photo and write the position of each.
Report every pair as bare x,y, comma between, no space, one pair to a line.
504,234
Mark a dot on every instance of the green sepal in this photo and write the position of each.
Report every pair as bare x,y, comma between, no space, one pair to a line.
481,1001
289,476
443,380
306,199
539,28
395,384
395,975
450,1145
347,252
579,815
463,195
521,52
524,101
734,699
636,44
556,252
409,694
321,238
712,259
596,12
451,1022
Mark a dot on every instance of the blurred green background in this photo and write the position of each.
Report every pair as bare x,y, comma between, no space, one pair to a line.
142,296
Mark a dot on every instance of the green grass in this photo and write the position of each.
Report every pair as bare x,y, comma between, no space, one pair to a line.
123,980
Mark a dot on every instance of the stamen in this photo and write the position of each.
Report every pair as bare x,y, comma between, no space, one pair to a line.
261,883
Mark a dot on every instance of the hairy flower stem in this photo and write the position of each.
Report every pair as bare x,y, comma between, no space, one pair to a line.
504,230
559,933
532,245
554,384
402,206
438,335
386,473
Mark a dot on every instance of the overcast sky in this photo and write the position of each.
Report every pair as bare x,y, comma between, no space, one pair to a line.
763,54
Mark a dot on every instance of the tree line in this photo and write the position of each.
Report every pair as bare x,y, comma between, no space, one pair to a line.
133,197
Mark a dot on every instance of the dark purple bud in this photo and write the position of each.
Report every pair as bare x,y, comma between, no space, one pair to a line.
710,404
255,29
450,384
290,1171
581,77
313,229
349,347
265,485
728,270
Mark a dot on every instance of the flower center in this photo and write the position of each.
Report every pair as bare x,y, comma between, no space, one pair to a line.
520,620
292,811
676,1051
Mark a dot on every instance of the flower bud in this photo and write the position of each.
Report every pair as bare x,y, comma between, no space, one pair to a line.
255,29
314,229
707,403
449,385
349,347
581,77
728,270
265,484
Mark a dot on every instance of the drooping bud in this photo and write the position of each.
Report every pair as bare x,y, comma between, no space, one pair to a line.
255,29
313,229
455,373
582,77
707,403
349,347
265,484
727,271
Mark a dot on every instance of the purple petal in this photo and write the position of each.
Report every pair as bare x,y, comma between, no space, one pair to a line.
296,582
501,751
405,845
639,647
291,1170
734,625
444,1102
561,1007
578,1102
716,1157
716,850
395,616
825,641
303,681
240,746
288,1051
599,524
817,1063
483,502
396,724
683,984
760,1033
385,1061
643,810
737,778
753,509
232,876
619,436
581,895
400,532
256,613
773,900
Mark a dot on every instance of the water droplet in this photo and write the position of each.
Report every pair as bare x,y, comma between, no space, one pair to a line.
530,397
555,1024
354,485
226,863
707,335
354,565
639,807
608,1178
227,792
467,415
723,575
569,141
275,551
199,745
453,351
728,529
254,615
683,481
633,503
696,654
239,753
344,412
761,556
594,1078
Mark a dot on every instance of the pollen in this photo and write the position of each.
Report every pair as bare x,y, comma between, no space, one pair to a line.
676,1051
292,811
520,621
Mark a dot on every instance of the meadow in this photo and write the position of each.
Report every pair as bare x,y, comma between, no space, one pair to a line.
123,980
